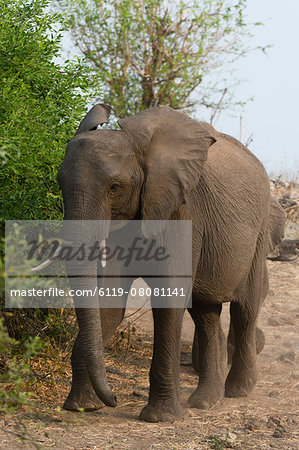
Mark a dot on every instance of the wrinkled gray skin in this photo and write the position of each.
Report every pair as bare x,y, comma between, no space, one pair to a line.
164,165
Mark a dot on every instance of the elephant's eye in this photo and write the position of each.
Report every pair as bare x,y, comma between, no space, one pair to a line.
113,188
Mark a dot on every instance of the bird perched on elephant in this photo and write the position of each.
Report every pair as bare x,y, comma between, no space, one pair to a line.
163,165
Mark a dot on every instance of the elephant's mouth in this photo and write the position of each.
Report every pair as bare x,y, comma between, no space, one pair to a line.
117,224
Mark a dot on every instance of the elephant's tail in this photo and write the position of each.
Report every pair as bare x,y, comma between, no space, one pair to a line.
276,223
259,340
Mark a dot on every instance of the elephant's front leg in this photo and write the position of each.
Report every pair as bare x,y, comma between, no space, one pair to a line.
164,404
248,339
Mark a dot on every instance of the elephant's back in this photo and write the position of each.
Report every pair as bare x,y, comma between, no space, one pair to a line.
233,167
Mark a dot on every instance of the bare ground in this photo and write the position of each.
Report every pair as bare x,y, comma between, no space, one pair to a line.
268,418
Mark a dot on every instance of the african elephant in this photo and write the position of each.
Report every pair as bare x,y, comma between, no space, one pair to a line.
162,164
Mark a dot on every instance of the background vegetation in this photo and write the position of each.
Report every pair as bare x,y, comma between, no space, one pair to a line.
41,103
153,52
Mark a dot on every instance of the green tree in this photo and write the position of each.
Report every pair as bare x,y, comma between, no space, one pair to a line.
159,52
41,102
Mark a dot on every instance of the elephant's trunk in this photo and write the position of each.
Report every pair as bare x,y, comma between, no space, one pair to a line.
90,329
89,319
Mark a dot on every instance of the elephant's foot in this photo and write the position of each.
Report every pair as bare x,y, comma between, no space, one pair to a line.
240,382
83,399
206,395
159,410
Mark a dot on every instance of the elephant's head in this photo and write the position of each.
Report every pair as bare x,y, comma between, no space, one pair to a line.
143,171
100,176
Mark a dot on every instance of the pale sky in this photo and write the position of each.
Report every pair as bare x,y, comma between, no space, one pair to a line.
273,80
272,117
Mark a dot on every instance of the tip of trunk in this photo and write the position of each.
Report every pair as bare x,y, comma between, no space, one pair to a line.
108,398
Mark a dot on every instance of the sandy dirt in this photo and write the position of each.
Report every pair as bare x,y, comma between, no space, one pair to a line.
268,418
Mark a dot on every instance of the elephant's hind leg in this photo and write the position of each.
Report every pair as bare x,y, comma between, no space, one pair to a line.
248,340
259,335
196,351
209,360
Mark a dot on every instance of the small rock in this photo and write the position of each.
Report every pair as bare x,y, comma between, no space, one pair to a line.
273,394
274,421
252,424
287,320
231,436
273,322
186,359
287,357
281,320
136,394
221,440
295,375
279,431
115,370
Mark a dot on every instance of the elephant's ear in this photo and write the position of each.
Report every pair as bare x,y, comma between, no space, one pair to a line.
174,149
98,115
